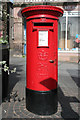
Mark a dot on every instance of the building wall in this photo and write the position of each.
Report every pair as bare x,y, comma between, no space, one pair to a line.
19,27
71,19
18,31
11,23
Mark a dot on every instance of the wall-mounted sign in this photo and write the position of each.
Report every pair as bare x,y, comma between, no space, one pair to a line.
72,13
43,38
69,6
45,1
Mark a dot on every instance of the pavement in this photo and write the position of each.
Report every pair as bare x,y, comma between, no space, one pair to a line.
14,106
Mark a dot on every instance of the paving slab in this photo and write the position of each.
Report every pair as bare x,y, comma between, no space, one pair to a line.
68,93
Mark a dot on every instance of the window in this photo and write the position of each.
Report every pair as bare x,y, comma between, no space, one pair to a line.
68,30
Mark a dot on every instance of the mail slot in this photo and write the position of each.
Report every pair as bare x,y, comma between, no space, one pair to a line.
42,58
43,24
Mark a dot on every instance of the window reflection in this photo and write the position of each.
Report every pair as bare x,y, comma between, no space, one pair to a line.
73,32
62,31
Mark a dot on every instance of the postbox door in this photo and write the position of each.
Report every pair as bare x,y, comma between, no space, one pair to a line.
43,64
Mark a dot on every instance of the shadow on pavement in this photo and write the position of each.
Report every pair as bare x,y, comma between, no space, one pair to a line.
14,78
67,111
76,80
75,76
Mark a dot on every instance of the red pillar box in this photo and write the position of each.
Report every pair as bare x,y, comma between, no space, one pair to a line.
42,58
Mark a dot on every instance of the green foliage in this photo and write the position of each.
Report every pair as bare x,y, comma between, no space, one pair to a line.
23,56
6,68
4,40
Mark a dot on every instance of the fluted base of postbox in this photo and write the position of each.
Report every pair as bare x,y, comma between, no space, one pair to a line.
42,102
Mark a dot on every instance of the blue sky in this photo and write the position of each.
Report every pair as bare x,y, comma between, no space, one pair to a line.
11,0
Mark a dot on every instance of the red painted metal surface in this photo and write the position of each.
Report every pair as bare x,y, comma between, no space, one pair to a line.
42,9
42,61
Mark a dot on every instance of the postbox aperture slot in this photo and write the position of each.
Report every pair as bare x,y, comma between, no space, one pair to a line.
43,24
43,38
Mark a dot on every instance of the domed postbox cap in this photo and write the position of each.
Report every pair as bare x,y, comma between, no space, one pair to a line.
42,10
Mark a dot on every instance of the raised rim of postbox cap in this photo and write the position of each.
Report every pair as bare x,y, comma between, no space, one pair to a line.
42,9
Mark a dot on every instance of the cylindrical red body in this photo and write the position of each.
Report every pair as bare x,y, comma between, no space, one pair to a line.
42,47
41,74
